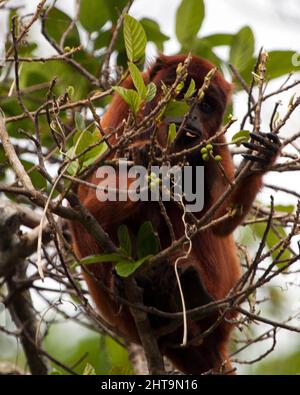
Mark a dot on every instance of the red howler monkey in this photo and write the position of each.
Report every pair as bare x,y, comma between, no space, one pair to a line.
212,268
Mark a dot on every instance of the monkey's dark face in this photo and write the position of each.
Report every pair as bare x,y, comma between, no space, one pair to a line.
190,128
202,120
205,117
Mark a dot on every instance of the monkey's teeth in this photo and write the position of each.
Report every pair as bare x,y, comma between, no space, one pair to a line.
191,135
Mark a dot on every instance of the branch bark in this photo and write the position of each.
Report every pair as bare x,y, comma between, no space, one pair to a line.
149,342
23,315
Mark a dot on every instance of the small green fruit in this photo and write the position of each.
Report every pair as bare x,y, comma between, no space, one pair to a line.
205,157
218,158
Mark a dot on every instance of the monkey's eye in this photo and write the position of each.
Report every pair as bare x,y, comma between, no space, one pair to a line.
206,107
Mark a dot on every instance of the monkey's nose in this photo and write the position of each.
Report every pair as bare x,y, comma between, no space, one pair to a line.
194,122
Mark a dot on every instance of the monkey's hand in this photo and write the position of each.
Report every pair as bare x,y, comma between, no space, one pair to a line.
267,147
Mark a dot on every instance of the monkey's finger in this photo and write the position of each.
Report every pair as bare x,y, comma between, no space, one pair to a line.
273,137
258,148
264,141
254,158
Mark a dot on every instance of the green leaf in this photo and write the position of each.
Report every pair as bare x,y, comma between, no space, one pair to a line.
82,140
89,370
280,63
203,48
122,58
93,14
147,243
130,96
179,87
77,138
126,268
27,49
191,89
92,155
289,209
242,49
115,8
272,239
57,23
176,109
37,179
103,39
135,39
153,33
137,79
189,18
55,372
79,121
73,166
240,137
171,133
70,91
124,239
216,40
150,92
99,258
34,73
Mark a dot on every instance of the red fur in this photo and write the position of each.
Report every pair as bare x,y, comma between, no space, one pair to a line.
214,256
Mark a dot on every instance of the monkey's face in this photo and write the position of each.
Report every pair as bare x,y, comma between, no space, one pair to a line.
205,117
202,119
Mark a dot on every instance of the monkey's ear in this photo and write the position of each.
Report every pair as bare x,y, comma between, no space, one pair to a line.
159,64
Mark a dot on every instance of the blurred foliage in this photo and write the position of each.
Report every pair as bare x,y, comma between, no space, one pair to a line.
75,347
273,237
253,233
71,344
284,364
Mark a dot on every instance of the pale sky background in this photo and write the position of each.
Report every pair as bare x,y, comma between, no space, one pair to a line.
276,26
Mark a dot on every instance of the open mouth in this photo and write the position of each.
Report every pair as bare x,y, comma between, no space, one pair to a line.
189,131
191,134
